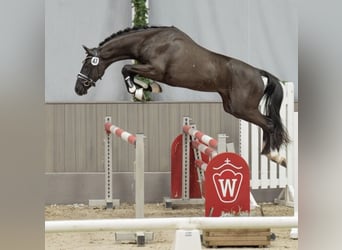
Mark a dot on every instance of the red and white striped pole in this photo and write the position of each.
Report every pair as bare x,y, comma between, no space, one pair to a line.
124,135
201,164
206,139
204,149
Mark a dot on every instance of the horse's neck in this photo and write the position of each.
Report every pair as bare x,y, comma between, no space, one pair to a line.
119,48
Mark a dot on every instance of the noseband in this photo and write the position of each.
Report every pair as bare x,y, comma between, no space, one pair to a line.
86,80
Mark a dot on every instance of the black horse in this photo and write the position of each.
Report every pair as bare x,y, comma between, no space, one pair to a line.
168,55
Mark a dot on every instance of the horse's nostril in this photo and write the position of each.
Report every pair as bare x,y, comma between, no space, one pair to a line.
79,89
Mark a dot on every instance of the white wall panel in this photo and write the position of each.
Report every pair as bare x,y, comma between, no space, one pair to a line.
260,32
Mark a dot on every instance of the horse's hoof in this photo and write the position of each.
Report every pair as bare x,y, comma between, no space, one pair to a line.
156,87
132,89
283,163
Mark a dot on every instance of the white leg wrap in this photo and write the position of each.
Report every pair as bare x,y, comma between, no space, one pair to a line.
141,83
132,89
276,157
139,94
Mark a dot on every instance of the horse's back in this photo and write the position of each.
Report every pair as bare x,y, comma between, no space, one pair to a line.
169,37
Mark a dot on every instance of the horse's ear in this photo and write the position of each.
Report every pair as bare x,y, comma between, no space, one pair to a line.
86,49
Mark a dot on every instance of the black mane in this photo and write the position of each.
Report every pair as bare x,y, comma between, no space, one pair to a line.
130,29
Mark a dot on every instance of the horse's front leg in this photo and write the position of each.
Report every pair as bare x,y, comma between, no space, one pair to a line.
128,77
145,70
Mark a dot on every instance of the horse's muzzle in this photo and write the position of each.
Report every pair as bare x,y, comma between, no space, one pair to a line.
80,89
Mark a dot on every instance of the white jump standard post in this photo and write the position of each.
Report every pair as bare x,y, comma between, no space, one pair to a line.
194,139
186,164
108,167
139,169
108,202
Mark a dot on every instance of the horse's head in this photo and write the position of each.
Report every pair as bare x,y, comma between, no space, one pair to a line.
92,69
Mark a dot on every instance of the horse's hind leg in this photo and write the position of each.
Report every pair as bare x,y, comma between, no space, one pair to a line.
271,154
267,127
254,116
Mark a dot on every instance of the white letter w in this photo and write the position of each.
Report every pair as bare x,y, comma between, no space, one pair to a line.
227,184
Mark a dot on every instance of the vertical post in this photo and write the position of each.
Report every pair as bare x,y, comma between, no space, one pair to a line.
244,140
108,167
294,231
198,156
295,169
290,147
139,176
221,145
186,162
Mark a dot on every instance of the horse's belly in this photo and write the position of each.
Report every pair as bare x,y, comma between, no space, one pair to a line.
191,82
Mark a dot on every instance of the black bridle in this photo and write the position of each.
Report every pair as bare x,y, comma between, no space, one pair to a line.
86,80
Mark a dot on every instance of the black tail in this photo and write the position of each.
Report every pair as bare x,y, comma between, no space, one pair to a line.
274,97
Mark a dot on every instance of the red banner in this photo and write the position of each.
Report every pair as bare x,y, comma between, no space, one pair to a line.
227,186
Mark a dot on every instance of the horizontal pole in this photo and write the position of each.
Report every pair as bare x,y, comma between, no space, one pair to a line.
124,135
204,149
206,139
201,164
170,224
